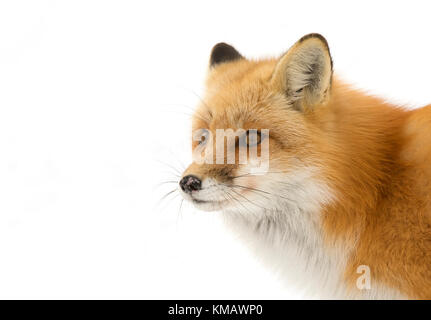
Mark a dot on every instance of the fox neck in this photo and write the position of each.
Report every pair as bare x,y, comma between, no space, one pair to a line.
364,140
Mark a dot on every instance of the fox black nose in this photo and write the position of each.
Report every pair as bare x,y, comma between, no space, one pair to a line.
190,183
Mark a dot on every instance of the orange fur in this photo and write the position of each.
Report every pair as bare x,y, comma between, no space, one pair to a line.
381,170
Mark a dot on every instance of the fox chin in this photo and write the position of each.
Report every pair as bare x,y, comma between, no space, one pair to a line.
341,207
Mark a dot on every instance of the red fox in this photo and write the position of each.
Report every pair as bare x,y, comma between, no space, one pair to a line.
343,208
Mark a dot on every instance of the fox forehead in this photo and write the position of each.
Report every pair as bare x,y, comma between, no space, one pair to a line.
239,72
239,95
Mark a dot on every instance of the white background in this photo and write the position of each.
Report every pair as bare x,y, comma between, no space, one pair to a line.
96,95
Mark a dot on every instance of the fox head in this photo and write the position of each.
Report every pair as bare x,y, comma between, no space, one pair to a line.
256,142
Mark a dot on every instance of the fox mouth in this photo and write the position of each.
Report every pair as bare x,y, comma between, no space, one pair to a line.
207,205
200,201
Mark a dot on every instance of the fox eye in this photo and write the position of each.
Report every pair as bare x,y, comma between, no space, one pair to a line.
204,136
254,137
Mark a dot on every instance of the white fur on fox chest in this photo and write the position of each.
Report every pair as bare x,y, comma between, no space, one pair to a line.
292,247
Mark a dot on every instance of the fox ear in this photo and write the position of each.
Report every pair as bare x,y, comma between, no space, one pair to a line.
223,52
304,73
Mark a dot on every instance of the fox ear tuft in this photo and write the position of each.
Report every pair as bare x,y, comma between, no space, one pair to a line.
304,73
222,52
